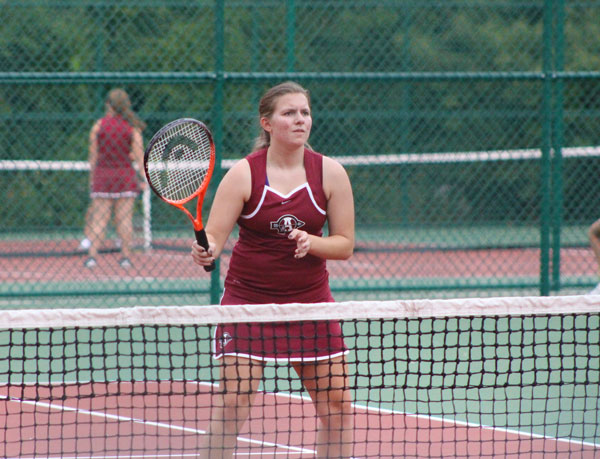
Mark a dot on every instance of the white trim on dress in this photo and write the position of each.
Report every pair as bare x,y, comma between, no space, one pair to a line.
284,196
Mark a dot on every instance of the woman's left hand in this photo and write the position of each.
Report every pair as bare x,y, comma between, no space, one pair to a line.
302,242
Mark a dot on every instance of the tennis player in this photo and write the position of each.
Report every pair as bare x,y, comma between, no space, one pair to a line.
115,146
281,195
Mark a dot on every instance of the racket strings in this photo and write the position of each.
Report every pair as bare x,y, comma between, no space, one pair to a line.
179,163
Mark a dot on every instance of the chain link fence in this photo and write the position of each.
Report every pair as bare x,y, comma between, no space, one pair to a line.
469,130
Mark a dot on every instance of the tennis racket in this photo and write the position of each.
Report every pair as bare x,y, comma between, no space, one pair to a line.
179,162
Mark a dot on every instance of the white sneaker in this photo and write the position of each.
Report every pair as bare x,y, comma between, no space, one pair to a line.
595,291
125,263
90,262
85,244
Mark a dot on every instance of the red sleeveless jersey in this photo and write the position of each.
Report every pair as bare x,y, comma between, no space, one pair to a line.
114,175
263,268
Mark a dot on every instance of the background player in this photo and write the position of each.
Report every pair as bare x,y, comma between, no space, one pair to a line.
115,145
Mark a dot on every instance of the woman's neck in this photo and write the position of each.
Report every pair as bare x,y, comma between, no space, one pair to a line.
285,158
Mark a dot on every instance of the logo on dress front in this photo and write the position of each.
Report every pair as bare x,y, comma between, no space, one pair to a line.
225,340
286,223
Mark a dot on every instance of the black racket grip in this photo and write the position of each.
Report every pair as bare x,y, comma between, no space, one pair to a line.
203,241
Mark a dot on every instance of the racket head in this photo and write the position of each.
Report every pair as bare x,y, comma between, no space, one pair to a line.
179,161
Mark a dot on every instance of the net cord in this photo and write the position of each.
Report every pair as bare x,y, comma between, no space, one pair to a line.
214,314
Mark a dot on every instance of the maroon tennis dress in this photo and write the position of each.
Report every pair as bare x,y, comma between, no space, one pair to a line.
263,247
114,175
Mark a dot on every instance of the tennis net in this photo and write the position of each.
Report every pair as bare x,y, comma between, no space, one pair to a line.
52,175
493,377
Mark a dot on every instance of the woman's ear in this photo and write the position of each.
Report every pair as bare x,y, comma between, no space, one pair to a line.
265,124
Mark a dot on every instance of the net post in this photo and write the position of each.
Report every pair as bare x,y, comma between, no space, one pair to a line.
147,210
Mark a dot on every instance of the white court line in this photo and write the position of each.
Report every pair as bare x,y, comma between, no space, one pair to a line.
442,420
100,414
289,448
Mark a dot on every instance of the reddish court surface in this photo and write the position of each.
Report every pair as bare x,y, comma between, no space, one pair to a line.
168,419
60,261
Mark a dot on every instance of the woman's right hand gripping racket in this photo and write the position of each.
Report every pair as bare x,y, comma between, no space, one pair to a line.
179,163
